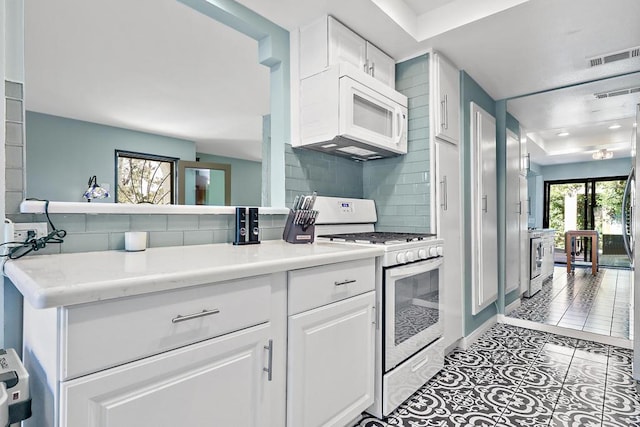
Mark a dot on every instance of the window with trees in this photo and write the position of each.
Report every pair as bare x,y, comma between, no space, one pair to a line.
145,178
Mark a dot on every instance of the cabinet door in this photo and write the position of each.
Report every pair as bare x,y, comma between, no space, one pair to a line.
218,382
449,226
447,110
484,226
346,46
513,217
330,363
524,235
381,66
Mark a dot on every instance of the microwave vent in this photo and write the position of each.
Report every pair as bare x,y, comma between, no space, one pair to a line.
608,58
619,92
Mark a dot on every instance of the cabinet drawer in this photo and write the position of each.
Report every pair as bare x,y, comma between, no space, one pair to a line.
402,382
100,335
317,286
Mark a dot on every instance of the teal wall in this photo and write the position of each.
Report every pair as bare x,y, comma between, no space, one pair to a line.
401,185
63,153
329,175
246,178
470,91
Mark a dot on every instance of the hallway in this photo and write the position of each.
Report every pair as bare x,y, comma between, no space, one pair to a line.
600,304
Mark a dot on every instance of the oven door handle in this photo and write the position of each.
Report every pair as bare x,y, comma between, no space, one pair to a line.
416,268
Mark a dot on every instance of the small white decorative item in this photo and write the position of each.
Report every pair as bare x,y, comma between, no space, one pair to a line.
135,241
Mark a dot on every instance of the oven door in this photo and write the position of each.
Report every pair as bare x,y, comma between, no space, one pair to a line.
412,309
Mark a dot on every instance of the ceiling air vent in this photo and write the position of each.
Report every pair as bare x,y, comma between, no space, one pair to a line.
618,92
608,58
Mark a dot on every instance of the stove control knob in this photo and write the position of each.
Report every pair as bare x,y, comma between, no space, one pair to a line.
433,251
401,258
411,256
440,250
422,254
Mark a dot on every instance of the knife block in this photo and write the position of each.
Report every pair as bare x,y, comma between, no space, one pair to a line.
297,233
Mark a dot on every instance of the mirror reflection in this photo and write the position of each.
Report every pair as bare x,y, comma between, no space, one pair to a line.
155,78
580,143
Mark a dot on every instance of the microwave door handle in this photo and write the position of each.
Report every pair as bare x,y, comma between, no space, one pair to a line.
413,269
400,126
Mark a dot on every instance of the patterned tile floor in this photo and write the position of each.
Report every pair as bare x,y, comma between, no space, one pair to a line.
520,377
600,304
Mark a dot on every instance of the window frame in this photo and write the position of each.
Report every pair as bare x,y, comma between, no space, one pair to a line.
147,156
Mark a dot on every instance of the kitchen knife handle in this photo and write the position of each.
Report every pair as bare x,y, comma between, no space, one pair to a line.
180,318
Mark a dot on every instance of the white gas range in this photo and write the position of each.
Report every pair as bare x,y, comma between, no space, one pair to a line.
408,290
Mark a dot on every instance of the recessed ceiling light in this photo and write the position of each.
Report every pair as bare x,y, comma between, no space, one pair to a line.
635,125
616,126
563,134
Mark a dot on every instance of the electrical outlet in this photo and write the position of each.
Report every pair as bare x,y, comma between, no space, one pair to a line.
21,231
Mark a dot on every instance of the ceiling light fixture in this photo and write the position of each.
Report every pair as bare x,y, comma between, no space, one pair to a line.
602,154
614,127
563,134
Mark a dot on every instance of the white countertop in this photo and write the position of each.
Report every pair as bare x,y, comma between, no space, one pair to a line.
68,279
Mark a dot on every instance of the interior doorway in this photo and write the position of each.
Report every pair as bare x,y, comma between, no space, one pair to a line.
587,204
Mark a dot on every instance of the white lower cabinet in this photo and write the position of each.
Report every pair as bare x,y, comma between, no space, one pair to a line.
331,362
212,383
201,356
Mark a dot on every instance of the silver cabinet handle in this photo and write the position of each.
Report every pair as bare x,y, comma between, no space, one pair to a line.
519,211
372,69
269,368
345,282
528,205
485,204
443,112
366,66
446,112
444,203
180,318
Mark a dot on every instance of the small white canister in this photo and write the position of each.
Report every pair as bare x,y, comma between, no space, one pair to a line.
135,241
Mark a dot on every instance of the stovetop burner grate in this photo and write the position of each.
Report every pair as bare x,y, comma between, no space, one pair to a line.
378,237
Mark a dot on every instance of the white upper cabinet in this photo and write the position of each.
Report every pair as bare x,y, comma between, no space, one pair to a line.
381,66
345,46
446,99
327,42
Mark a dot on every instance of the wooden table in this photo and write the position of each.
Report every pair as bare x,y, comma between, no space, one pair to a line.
594,247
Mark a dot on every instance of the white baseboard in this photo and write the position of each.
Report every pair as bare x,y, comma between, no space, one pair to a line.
513,306
466,342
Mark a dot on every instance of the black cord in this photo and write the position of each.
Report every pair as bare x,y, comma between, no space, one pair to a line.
34,245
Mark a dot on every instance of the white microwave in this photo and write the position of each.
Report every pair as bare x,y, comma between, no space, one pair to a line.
346,112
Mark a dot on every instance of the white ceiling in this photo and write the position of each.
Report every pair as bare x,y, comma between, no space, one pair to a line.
160,72
585,117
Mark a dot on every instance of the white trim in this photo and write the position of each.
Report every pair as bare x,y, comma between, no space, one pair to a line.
37,207
466,342
567,332
513,306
